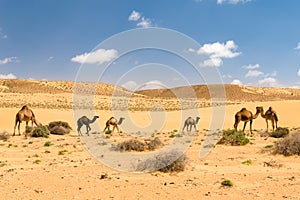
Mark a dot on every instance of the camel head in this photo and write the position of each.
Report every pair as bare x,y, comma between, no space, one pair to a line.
259,109
121,120
197,119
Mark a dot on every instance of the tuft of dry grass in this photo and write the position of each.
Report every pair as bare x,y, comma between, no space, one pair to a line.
40,131
4,136
154,144
173,161
280,132
288,146
233,138
59,128
131,145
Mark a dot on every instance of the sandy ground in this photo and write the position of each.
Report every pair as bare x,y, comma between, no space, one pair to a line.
30,170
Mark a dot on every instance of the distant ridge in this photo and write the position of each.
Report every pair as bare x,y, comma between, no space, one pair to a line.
234,93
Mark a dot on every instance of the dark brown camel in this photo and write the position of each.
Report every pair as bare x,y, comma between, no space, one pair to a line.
85,121
25,114
272,116
246,116
114,122
189,122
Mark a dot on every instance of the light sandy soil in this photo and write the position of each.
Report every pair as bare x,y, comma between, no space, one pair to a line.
77,175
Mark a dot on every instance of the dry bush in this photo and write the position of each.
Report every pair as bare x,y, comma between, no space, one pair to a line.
59,128
173,161
40,131
289,145
280,132
4,136
131,145
154,144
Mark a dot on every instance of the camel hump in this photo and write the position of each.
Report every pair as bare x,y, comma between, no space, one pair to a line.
25,107
243,109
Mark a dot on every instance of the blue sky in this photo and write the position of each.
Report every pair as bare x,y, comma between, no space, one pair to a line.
251,42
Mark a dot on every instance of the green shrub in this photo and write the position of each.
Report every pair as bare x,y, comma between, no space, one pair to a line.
288,146
48,144
233,138
247,162
108,132
40,131
28,129
280,132
227,183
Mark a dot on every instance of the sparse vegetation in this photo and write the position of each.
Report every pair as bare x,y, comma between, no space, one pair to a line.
28,129
288,146
173,161
270,146
247,162
46,151
131,145
108,132
59,128
4,136
40,131
154,144
280,132
37,161
48,144
137,145
227,183
233,138
62,152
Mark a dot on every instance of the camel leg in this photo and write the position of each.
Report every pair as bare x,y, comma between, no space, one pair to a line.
113,128
195,127
15,128
251,127
273,124
19,128
117,128
236,124
267,125
245,123
78,129
184,126
88,128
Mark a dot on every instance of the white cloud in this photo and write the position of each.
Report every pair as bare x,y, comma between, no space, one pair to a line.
212,62
99,56
236,82
191,50
232,1
256,66
7,76
50,58
298,46
2,34
8,60
142,21
298,72
268,82
150,85
253,73
134,16
130,85
217,51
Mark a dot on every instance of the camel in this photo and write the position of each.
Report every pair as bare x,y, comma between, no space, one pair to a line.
113,121
270,115
25,114
246,116
85,121
189,122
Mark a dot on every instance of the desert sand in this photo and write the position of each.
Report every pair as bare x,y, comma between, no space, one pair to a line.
66,170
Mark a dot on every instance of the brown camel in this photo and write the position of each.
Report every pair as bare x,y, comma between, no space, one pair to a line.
189,122
25,114
85,121
272,116
246,116
114,122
